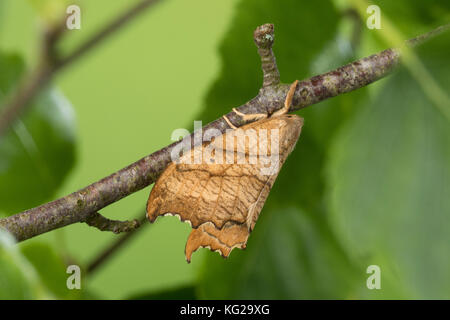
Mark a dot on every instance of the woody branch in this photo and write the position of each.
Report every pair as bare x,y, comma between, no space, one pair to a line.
80,206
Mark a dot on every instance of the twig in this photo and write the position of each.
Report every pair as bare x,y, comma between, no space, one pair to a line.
104,224
34,81
114,247
77,206
110,28
264,37
414,42
51,63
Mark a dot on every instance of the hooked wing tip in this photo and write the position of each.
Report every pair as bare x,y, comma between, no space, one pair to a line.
222,240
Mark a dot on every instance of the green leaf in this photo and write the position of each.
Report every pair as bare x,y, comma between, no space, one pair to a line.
39,150
18,279
50,267
389,182
288,256
292,246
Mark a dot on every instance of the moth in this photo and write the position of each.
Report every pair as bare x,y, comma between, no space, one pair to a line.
222,195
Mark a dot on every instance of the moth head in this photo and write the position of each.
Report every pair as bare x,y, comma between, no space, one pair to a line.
291,129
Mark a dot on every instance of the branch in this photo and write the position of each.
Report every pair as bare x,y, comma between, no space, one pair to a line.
51,63
112,249
78,206
104,224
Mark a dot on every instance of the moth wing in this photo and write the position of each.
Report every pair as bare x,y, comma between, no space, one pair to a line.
222,201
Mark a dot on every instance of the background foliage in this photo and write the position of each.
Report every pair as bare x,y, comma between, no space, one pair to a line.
368,182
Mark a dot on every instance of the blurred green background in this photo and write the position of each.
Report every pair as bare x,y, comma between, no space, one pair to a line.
368,183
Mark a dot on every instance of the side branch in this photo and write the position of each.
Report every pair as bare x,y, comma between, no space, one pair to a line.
78,206
104,33
264,38
112,248
104,224
51,63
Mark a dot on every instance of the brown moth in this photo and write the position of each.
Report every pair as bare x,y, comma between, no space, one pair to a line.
222,195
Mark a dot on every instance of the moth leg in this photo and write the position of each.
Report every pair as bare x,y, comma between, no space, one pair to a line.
229,122
250,117
288,100
245,117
